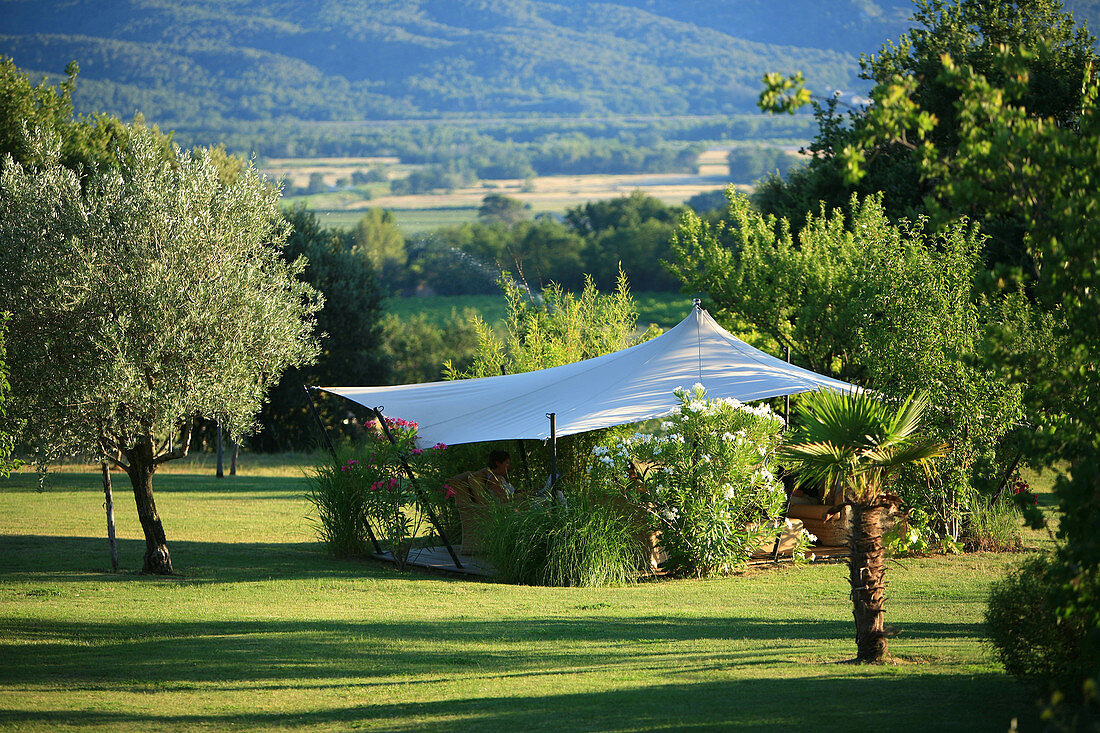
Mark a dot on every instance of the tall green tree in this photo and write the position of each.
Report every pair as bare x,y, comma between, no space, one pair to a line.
7,441
973,33
378,238
856,445
887,305
1047,174
348,327
143,298
505,209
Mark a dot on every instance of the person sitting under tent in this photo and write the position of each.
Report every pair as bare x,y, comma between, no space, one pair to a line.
473,492
494,477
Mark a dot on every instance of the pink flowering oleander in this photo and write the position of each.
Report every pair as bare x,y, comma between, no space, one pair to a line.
439,446
416,451
396,422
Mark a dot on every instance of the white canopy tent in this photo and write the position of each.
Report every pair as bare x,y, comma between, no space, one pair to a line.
614,389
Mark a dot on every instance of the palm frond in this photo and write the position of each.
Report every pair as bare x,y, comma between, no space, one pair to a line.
857,440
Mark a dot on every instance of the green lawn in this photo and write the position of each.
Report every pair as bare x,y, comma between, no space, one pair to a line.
664,309
260,630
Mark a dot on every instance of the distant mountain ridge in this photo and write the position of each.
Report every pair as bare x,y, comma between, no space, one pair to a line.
208,62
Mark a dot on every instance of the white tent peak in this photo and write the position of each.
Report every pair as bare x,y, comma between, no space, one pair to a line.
614,389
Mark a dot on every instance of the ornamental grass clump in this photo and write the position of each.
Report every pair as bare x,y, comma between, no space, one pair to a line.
705,484
339,505
592,540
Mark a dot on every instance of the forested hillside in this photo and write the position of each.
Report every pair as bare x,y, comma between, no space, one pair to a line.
202,61
213,70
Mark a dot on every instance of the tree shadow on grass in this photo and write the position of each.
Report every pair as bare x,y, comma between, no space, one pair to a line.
167,483
187,653
942,702
60,559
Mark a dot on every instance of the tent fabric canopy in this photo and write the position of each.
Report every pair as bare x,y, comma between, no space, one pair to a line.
614,389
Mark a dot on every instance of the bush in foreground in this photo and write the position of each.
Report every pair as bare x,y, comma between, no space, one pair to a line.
1035,638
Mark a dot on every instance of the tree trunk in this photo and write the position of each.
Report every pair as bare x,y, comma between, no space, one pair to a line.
109,505
140,470
867,574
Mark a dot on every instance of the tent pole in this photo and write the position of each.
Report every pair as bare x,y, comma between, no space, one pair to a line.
787,397
416,486
553,448
320,424
335,460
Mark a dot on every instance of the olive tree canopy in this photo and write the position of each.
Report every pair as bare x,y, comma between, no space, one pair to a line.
143,296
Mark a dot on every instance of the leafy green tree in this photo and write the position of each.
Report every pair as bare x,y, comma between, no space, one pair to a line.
973,32
561,328
417,349
505,209
886,305
349,328
6,439
23,104
1047,175
855,444
630,232
87,144
143,299
749,162
537,252
378,238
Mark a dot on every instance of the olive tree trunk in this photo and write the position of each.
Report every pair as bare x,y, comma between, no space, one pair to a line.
867,575
140,469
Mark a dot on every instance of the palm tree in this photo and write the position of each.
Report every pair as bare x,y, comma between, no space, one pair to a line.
854,444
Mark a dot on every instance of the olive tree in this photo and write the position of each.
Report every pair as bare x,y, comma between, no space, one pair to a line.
144,296
6,462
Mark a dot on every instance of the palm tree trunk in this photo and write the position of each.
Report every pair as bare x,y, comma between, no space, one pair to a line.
867,574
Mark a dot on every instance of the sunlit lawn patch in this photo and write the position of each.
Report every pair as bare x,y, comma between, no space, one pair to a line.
262,630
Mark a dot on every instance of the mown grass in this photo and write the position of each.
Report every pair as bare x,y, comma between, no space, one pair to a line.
261,630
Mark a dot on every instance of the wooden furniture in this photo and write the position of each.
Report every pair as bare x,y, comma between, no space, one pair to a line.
831,533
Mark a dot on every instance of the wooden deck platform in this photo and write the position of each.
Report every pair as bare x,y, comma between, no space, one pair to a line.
437,558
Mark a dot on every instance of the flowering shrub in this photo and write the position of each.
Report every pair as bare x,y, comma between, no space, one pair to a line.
705,483
371,488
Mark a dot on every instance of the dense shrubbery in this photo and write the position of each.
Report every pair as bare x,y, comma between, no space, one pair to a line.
705,482
1034,637
701,489
367,486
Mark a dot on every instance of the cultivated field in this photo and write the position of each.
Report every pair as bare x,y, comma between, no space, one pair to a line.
261,630
425,212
